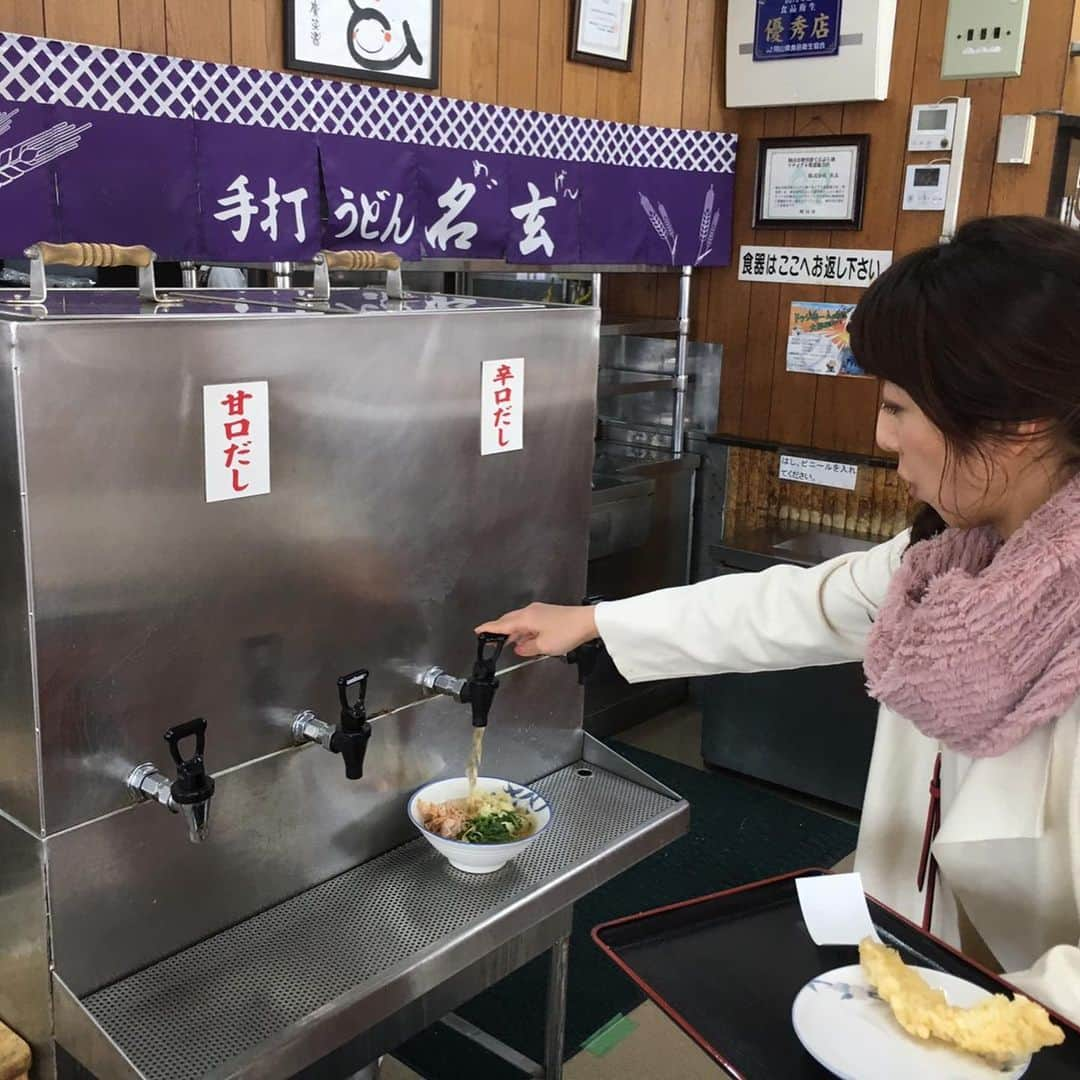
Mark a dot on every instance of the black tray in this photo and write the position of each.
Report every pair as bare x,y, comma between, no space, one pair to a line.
727,967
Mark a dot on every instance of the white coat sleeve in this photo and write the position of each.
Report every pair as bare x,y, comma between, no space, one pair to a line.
1053,980
783,617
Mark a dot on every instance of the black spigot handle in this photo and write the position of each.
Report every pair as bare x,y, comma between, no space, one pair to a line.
479,691
193,784
489,648
586,655
175,735
353,715
353,732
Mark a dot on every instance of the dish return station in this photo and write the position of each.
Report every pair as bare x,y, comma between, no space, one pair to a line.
231,516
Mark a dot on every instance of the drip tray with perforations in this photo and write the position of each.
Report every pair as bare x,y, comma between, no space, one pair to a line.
285,987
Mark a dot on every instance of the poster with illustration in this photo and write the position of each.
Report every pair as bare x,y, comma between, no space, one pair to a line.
819,342
386,40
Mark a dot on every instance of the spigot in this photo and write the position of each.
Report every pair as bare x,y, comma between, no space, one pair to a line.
190,793
586,655
585,658
350,738
477,691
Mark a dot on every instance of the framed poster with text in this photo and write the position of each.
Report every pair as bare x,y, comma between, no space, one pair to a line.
602,32
814,182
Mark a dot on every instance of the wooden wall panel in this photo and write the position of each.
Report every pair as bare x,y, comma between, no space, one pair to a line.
663,62
515,52
729,298
470,49
844,410
519,23
94,21
199,29
917,228
845,414
618,93
258,34
551,53
580,83
22,16
1041,87
702,51
142,26
762,345
1071,97
794,394
986,95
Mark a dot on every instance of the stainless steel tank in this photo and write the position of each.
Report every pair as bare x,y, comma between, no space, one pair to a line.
131,605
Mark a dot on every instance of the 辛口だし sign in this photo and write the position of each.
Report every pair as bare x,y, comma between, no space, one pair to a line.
834,474
812,266
236,438
502,406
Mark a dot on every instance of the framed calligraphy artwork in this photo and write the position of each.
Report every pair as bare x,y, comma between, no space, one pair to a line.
395,41
602,32
812,182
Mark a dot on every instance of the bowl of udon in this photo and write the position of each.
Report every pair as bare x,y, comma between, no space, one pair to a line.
479,832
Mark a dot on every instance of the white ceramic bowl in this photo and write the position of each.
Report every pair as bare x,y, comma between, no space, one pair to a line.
480,858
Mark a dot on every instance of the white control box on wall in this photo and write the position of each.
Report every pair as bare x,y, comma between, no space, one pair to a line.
784,73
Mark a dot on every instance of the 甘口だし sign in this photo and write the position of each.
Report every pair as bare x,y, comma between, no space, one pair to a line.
236,440
502,406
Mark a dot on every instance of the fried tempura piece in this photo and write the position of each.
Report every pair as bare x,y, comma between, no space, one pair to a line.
445,819
997,1029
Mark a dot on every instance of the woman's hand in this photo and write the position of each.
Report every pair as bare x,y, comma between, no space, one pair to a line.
545,629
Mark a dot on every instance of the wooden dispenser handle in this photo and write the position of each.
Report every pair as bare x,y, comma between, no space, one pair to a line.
361,260
92,254
14,1055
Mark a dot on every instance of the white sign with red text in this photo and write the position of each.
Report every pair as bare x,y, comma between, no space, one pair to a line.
502,406
236,433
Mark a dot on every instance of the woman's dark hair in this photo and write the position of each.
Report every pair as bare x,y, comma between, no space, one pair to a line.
983,333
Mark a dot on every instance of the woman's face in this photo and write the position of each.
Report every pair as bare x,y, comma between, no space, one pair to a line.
958,491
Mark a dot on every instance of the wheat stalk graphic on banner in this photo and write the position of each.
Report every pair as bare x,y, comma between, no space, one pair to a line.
710,221
18,160
661,223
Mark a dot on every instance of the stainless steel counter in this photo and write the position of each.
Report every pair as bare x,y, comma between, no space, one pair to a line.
283,988
806,546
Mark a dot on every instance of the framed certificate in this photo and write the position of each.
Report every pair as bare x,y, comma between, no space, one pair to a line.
602,32
811,183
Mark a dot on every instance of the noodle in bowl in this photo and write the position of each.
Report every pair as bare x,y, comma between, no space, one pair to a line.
481,858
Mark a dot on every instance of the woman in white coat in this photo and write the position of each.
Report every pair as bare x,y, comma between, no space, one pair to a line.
968,624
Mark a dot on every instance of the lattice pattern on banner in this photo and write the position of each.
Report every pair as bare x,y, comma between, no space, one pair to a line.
116,80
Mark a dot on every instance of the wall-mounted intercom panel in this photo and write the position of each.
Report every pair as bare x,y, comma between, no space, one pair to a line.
984,39
932,126
926,187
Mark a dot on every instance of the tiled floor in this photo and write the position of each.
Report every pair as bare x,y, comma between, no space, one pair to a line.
653,1047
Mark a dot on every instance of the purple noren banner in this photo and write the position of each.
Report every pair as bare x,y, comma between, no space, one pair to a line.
222,163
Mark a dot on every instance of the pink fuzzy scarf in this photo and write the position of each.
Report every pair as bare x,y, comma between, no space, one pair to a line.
978,642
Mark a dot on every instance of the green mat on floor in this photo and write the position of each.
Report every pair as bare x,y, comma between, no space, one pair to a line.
738,834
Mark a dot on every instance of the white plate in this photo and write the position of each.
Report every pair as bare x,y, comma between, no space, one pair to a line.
849,1030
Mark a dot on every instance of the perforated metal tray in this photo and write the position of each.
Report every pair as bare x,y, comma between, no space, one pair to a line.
283,988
